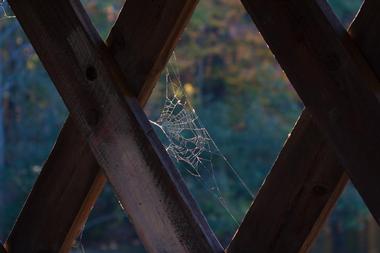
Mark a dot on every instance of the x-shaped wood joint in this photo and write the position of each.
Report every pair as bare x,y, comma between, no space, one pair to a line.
107,126
338,127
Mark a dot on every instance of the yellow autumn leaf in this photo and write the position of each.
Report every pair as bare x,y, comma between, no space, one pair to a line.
189,89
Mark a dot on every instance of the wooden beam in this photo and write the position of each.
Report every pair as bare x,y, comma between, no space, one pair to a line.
364,32
296,197
164,214
333,80
48,222
306,171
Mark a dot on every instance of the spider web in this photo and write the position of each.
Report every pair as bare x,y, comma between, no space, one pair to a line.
188,141
5,10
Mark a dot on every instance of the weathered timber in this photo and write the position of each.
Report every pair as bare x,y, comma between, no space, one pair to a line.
335,85
364,32
286,226
51,222
295,198
119,135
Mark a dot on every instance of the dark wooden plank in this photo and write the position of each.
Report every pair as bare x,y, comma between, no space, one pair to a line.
291,223
296,197
333,80
364,32
51,223
64,192
119,135
63,217
144,41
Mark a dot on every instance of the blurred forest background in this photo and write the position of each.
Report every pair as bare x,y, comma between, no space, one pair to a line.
239,92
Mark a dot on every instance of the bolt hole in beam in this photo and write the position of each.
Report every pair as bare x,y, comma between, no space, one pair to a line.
91,73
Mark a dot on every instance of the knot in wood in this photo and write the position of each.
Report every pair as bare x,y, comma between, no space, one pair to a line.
91,73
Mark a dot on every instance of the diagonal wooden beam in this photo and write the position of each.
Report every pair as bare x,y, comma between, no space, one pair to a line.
306,171
51,222
296,197
117,131
335,86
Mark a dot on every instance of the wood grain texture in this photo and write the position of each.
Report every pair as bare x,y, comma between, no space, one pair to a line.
68,213
364,32
296,196
333,80
164,214
293,220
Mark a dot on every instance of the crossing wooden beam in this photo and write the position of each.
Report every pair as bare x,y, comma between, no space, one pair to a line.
59,220
296,197
306,179
327,71
107,127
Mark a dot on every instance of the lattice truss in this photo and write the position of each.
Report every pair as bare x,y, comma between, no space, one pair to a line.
333,71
